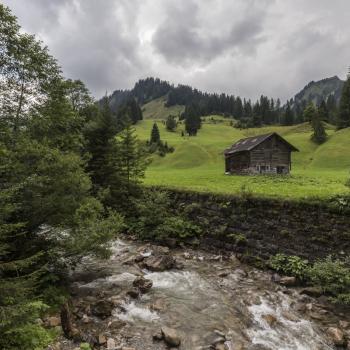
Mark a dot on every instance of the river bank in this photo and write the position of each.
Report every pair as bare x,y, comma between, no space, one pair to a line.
209,300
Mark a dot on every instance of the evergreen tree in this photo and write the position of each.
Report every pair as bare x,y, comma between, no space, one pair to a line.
343,120
319,133
131,158
288,115
309,112
171,123
155,135
100,134
323,111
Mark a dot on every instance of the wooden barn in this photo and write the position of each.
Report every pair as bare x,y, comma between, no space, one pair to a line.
262,154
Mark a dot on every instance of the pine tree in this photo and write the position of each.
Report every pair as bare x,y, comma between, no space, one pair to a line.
131,157
343,120
309,112
323,111
155,135
171,123
288,115
319,133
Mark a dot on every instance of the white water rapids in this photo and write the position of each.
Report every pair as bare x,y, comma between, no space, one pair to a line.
198,303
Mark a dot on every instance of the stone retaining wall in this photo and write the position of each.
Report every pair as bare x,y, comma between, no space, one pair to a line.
259,227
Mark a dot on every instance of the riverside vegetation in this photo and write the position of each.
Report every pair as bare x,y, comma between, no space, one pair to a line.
71,175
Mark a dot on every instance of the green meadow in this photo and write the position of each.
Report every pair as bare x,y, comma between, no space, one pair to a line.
198,163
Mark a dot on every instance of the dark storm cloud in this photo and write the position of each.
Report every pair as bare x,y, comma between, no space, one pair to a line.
244,47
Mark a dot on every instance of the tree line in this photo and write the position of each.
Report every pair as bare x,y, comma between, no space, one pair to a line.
70,172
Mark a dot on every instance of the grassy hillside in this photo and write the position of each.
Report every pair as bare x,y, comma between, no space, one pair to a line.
156,109
198,162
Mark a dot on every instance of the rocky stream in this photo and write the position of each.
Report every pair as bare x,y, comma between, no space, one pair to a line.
149,297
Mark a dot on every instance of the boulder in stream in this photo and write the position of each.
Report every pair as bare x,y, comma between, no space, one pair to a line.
171,336
102,308
288,281
336,335
159,263
143,284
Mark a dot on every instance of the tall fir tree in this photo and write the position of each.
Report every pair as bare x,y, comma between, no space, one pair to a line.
343,120
155,135
319,133
288,115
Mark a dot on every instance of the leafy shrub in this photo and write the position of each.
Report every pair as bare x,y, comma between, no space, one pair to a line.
85,346
20,331
290,265
154,218
238,238
333,276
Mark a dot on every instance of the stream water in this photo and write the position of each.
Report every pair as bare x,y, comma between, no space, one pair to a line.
209,296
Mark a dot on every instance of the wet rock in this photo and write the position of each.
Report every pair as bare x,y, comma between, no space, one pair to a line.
187,255
102,308
116,324
316,316
111,344
220,346
223,273
158,305
344,324
276,278
159,263
336,335
158,336
270,319
179,265
102,339
219,333
312,292
139,258
288,281
143,284
53,321
133,293
171,336
289,316
241,273
86,319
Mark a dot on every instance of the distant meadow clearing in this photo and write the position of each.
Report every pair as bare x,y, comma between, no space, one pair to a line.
198,163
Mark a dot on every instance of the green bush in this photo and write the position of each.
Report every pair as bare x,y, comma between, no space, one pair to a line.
290,265
155,219
333,276
85,346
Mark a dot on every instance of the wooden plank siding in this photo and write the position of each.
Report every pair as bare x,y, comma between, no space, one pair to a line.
270,156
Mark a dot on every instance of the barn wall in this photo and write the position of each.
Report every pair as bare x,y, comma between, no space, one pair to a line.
238,162
264,227
273,153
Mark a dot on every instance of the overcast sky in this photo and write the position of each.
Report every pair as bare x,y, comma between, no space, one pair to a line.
241,47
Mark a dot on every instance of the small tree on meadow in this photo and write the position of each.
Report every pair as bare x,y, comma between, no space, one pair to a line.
155,135
319,133
171,123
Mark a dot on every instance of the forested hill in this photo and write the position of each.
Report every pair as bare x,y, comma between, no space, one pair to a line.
264,111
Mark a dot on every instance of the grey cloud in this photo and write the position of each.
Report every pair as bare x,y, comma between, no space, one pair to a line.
244,47
182,39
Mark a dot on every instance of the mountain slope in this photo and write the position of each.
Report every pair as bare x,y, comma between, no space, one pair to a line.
156,109
316,91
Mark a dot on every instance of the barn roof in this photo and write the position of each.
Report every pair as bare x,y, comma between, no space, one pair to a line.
250,143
